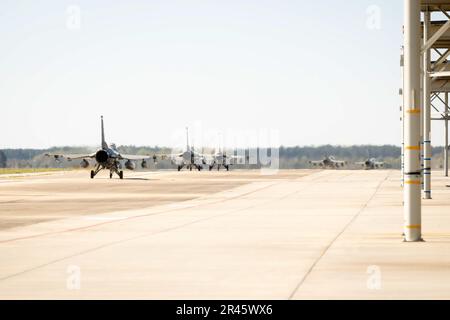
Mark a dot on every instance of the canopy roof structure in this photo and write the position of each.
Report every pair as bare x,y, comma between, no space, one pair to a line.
443,42
426,87
435,5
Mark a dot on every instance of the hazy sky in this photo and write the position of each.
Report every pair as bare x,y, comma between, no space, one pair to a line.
313,71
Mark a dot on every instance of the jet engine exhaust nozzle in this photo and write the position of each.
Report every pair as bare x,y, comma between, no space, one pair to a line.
101,156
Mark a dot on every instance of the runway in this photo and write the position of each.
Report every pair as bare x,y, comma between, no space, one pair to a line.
31,198
219,235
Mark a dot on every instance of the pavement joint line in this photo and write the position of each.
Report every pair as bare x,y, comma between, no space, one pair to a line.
93,218
101,247
324,252
12,201
148,234
133,217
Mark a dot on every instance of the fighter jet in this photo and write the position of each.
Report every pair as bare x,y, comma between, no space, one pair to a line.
221,159
190,158
329,162
371,164
106,158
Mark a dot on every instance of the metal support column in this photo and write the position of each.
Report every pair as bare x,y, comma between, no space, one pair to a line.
412,188
446,137
402,116
421,102
426,111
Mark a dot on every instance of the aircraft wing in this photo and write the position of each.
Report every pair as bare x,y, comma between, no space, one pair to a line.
136,157
70,157
210,159
237,159
200,155
169,156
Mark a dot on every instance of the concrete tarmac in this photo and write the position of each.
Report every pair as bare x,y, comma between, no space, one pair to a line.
215,235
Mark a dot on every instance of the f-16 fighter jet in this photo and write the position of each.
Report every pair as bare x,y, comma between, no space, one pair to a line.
371,164
106,158
329,162
189,158
222,159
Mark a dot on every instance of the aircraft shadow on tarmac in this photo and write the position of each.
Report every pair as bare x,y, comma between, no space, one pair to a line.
136,179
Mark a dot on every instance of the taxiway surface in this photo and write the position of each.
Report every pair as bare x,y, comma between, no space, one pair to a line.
218,235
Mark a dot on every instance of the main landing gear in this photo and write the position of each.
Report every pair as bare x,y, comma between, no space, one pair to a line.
191,167
119,173
226,166
98,168
95,171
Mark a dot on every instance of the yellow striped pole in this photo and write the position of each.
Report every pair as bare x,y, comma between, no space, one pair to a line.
412,121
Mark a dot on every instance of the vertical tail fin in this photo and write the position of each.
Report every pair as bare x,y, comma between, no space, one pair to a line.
187,139
104,144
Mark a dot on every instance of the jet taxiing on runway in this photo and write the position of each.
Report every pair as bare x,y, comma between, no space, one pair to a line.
106,158
221,159
192,159
328,162
371,164
189,158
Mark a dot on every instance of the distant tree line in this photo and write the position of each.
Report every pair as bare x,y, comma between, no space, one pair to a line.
290,157
363,151
3,159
